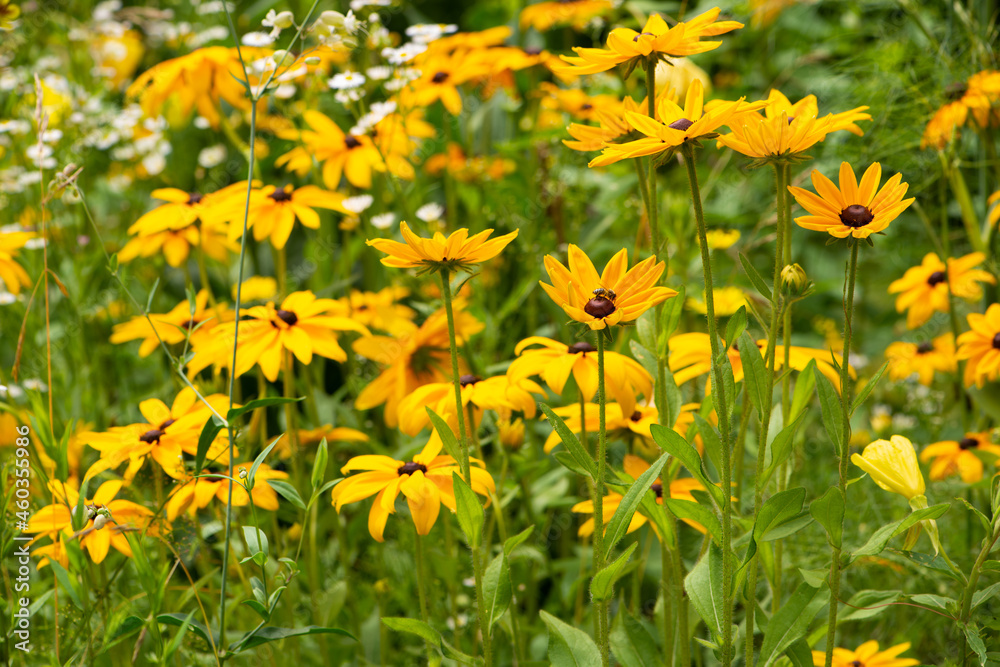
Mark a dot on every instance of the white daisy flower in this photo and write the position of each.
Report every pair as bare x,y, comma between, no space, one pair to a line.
430,212
346,81
358,203
383,220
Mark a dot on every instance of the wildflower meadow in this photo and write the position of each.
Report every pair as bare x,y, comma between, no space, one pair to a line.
500,332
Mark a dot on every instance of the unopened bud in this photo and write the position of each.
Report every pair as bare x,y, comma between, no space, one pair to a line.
279,57
100,521
313,60
794,279
283,20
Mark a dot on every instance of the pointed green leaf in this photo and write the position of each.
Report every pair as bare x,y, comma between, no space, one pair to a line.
571,442
868,388
470,512
833,414
496,590
754,275
828,510
569,647
618,525
602,586
791,622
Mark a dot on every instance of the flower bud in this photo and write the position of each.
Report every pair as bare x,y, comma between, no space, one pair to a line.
283,20
313,60
794,279
332,18
892,464
100,521
511,432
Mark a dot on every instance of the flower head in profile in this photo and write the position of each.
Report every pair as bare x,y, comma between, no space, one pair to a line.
964,457
459,251
617,296
183,209
980,347
425,481
922,359
196,493
633,426
943,127
892,464
867,655
543,16
657,40
851,210
926,289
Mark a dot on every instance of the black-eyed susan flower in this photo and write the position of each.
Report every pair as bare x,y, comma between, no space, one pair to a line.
183,321
961,456
441,76
673,126
543,16
727,301
102,530
634,467
12,275
980,347
302,325
166,435
411,360
183,209
634,425
943,127
867,655
382,310
922,359
657,40
353,156
425,481
892,464
982,97
851,210
459,251
8,14
610,128
197,492
616,296
273,211
625,379
924,290
176,245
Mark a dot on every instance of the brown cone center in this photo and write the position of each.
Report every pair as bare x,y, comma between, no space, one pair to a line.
599,307
856,216
681,124
410,468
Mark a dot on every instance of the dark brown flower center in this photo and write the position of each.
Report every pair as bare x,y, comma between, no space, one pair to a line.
968,443
600,306
190,324
925,347
955,91
440,77
410,468
635,416
466,380
282,194
936,278
657,489
194,198
581,347
149,437
681,124
287,316
642,34
164,425
856,216
587,107
532,50
857,663
996,342
351,141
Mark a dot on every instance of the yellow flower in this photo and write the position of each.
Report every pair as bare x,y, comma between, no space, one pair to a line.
634,467
12,275
720,239
183,209
727,301
923,290
411,360
331,434
176,245
381,310
959,456
425,481
272,212
892,464
673,126
341,154
625,378
994,214
166,435
543,16
198,492
943,126
851,210
925,359
510,432
867,655
303,325
501,393
257,288
612,125
458,251
981,347
656,40
442,74
175,326
982,96
617,296
8,14
56,521
634,426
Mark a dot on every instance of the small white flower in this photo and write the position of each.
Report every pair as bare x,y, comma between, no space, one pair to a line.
347,96
34,384
3,388
51,136
280,20
202,123
6,298
257,39
380,73
285,91
430,212
358,203
358,5
346,81
425,33
404,53
34,244
212,156
154,164
383,220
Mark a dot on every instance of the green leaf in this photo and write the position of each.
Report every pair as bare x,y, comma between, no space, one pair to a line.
828,510
975,642
618,525
496,590
288,492
448,438
632,644
205,440
867,604
568,461
800,654
129,625
985,594
319,464
273,634
569,647
686,509
804,387
754,375
704,586
602,586
736,326
515,541
259,608
672,310
175,643
674,444
780,449
877,542
470,512
252,476
833,414
711,439
179,620
755,277
791,622
256,544
62,576
571,442
868,388
992,565
777,510
983,521
930,562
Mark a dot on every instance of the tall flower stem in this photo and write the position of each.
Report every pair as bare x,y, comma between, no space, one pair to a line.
668,605
846,398
651,205
418,553
602,454
767,399
722,410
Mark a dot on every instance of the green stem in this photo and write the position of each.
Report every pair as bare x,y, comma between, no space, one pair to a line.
845,446
422,585
961,192
668,603
479,568
651,203
455,378
970,588
722,409
602,453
